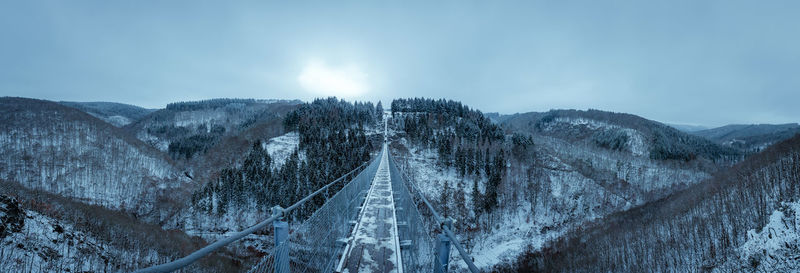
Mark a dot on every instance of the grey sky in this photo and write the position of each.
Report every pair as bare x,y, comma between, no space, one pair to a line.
696,62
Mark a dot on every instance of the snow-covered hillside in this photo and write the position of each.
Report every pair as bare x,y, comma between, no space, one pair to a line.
58,149
731,222
565,198
48,245
557,186
637,179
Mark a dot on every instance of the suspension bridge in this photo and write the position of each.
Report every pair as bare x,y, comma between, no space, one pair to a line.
378,222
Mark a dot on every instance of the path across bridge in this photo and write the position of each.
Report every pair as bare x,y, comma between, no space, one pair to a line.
374,245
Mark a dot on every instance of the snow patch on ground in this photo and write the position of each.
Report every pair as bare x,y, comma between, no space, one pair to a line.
582,121
281,147
160,144
636,143
776,248
515,234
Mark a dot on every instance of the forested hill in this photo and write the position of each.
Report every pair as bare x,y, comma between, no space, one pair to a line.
332,142
713,226
186,129
467,123
623,132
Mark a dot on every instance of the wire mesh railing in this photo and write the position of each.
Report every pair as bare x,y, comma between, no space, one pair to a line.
316,245
416,234
442,225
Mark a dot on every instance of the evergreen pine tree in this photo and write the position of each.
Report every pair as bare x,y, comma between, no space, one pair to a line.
477,201
444,197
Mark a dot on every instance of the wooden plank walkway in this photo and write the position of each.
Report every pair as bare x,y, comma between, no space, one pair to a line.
374,246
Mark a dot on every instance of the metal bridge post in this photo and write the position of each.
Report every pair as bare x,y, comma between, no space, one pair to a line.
443,248
281,230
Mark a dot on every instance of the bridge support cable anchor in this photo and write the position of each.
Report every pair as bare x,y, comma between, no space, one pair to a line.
281,231
443,247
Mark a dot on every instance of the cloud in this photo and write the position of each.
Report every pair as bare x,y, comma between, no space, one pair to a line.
346,81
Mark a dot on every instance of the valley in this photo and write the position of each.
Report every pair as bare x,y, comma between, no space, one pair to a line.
526,190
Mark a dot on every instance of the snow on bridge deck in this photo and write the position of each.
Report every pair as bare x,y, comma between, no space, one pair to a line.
374,245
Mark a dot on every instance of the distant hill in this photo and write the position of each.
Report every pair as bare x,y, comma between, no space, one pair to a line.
496,117
622,132
48,146
118,114
687,128
754,137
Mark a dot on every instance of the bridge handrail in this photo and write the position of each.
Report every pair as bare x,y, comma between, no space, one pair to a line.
194,256
464,255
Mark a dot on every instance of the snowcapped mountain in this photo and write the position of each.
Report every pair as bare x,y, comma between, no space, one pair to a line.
59,149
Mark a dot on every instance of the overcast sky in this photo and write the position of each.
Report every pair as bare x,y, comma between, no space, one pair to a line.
693,62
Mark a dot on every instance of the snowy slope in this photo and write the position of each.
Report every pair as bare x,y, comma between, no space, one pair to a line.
45,245
569,199
281,147
47,146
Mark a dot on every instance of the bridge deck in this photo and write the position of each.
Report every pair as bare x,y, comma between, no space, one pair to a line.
374,246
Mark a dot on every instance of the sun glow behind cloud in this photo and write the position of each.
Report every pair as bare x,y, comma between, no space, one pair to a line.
346,81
